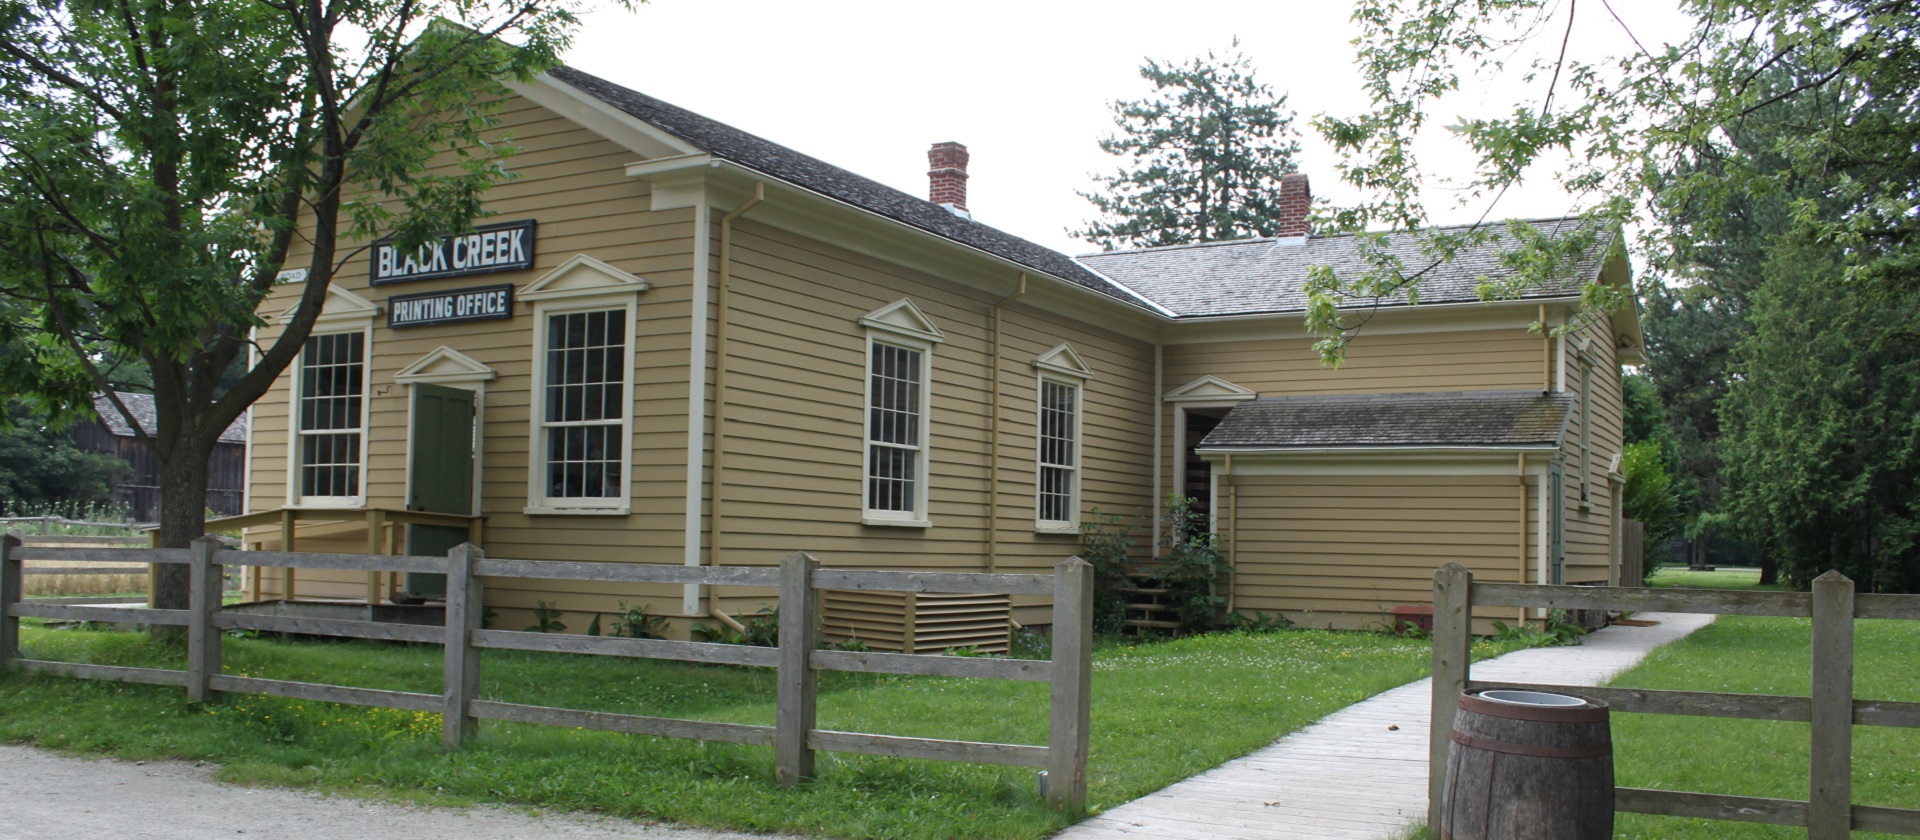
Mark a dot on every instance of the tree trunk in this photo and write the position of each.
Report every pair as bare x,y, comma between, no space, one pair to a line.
1769,568
183,515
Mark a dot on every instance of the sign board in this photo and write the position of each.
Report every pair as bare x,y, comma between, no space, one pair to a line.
489,248
480,303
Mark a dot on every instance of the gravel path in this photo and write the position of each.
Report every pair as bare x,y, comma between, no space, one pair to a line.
47,795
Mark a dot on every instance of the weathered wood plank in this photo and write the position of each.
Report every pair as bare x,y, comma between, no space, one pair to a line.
732,733
91,599
106,555
461,669
1830,762
1886,820
797,684
84,570
1662,702
116,615
407,700
1720,601
1033,670
110,673
204,588
1070,716
58,540
346,562
1876,605
1886,713
11,590
641,648
956,582
1712,806
344,628
1454,594
630,572
978,752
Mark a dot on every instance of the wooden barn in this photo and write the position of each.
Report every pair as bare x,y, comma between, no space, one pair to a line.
139,492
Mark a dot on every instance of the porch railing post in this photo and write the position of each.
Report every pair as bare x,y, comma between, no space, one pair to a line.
1071,715
465,609
10,593
799,684
1452,651
1830,776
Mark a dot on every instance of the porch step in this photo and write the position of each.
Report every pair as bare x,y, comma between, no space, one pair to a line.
1158,625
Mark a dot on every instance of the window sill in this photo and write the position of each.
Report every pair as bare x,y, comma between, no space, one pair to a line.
547,510
896,523
1057,530
329,503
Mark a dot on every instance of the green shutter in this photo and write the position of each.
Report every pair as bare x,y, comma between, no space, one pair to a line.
1557,522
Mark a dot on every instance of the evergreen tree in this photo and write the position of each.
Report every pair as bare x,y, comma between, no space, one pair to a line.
1202,156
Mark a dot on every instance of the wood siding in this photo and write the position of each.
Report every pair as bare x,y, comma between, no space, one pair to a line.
1589,524
574,184
1343,551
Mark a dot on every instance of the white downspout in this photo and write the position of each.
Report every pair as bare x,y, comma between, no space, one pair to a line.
697,398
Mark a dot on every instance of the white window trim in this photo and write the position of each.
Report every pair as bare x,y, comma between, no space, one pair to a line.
1071,525
918,517
538,502
900,324
341,311
325,327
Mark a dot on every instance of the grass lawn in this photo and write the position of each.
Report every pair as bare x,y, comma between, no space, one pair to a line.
1760,655
1161,712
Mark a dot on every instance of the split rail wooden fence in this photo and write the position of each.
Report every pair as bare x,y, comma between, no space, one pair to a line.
1827,814
798,659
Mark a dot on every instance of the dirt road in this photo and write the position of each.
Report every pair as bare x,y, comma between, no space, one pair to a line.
44,795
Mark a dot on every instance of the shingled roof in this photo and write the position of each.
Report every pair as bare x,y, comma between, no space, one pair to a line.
141,405
1437,419
1251,276
725,141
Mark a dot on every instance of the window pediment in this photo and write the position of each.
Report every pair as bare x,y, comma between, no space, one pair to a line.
341,307
1209,388
903,319
445,364
1064,361
582,276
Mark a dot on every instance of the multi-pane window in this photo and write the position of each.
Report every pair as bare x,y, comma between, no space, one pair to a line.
583,406
332,379
896,436
1059,451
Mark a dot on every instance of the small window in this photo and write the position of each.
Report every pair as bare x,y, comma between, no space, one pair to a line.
896,430
1059,435
583,407
331,416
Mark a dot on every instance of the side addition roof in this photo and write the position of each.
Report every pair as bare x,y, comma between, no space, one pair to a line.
141,405
1256,276
1439,419
725,141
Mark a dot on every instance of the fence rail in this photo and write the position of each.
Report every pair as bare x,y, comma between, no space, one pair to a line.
797,659
1828,813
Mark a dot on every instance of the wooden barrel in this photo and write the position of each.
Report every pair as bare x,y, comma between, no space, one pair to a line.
1528,766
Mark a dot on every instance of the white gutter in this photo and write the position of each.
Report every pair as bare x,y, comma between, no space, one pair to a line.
1384,449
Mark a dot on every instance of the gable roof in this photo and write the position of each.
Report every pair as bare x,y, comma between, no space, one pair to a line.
141,406
725,141
1434,419
1255,276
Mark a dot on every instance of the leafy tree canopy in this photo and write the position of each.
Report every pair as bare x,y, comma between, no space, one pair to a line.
158,162
1628,126
41,468
1203,158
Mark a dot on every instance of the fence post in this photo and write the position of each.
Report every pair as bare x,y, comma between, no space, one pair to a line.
10,592
1071,714
1452,651
465,593
799,683
1830,782
204,589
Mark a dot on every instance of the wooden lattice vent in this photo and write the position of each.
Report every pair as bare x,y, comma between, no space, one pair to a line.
922,622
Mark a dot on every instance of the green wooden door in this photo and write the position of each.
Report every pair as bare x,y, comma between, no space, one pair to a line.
1557,519
440,447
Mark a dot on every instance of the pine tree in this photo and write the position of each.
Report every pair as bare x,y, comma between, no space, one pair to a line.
1203,156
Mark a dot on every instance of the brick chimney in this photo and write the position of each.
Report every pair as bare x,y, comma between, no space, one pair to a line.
947,177
1296,200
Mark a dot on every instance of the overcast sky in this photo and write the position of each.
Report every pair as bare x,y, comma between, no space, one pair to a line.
868,85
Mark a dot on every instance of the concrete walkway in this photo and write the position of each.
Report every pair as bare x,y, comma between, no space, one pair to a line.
1353,774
